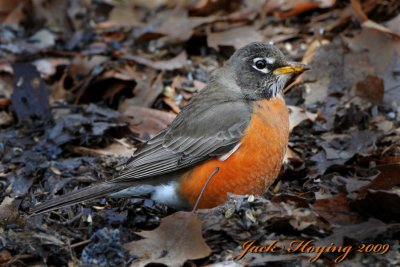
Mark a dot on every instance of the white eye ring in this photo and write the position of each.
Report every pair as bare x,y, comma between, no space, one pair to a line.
266,62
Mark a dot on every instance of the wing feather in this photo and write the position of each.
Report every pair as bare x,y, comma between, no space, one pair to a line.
204,133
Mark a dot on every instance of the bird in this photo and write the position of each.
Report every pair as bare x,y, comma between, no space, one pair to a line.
236,128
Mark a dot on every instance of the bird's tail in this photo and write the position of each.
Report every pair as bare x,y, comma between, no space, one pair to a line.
91,192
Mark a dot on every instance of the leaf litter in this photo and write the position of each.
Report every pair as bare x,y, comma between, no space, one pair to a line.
83,84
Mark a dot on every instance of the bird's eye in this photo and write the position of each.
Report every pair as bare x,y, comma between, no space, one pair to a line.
260,64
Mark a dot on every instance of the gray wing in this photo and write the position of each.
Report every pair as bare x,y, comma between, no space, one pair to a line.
207,127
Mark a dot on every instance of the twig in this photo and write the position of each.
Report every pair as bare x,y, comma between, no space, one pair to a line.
84,242
68,221
291,85
204,188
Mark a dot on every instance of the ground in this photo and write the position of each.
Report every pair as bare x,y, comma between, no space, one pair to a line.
84,83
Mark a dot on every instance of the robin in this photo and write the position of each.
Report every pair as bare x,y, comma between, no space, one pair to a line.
238,123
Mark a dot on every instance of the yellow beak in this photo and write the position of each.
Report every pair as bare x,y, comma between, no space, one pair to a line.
292,68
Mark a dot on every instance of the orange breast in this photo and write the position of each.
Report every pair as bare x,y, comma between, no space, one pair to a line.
252,168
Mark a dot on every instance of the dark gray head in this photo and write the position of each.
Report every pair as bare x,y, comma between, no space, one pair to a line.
261,70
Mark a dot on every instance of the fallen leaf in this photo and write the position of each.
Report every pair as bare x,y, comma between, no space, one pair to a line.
290,8
115,150
179,27
237,37
147,90
380,203
382,124
172,27
47,67
83,65
358,232
277,34
371,88
223,264
11,12
384,55
358,10
336,210
177,62
145,121
94,122
346,15
298,115
386,179
5,256
42,39
30,98
176,240
207,7
294,200
53,14
7,6
151,4
9,211
324,76
339,148
369,24
5,118
122,15
393,25
169,102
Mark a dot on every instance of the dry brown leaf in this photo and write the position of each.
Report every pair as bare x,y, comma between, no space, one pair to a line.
7,5
177,62
225,264
177,239
122,15
345,15
153,4
5,256
290,8
369,24
393,25
336,210
11,12
83,65
8,211
42,39
383,52
179,27
147,90
333,69
317,80
382,124
48,66
237,37
298,115
115,149
362,231
172,27
387,178
359,12
53,14
371,88
5,118
206,7
124,73
171,103
381,203
6,88
146,121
